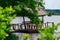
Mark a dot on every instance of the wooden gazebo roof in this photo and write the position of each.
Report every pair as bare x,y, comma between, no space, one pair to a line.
42,12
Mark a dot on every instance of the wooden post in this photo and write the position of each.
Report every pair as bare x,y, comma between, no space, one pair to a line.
42,19
52,23
24,22
47,24
21,27
21,35
31,37
14,27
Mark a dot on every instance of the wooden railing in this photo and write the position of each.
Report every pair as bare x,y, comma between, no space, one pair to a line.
29,26
22,27
48,24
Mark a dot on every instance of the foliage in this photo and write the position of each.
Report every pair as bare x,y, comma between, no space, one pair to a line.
12,37
5,19
24,8
50,13
48,33
26,36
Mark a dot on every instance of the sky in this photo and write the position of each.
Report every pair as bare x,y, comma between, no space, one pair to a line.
52,4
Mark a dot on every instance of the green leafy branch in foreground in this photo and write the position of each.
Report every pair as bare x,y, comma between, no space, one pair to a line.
48,33
5,19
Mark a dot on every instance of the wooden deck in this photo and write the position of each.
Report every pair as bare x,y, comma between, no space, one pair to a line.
28,27
25,31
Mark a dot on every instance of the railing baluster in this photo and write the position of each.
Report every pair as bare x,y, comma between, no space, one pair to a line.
33,26
28,26
21,26
14,27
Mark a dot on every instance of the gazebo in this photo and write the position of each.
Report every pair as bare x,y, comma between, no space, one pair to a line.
28,26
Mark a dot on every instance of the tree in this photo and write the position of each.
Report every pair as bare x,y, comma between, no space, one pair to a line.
24,8
12,8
